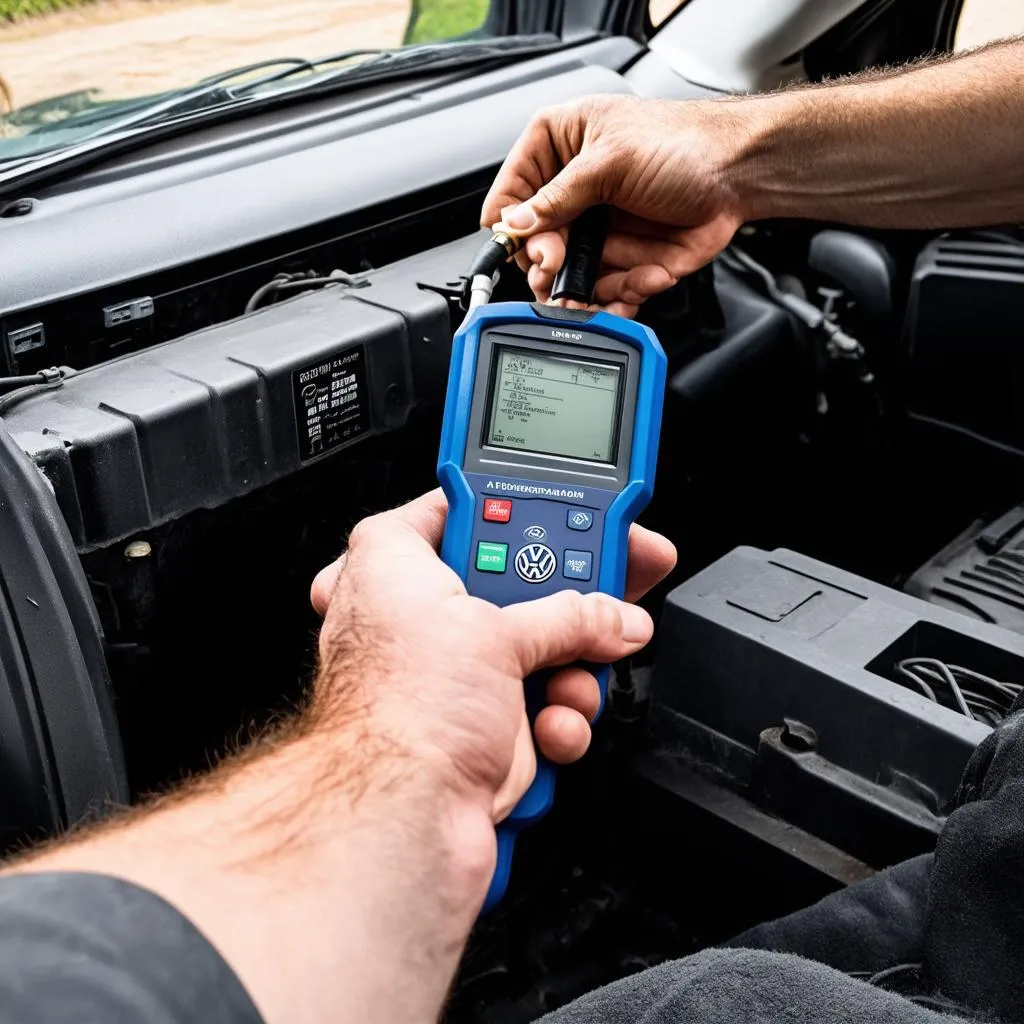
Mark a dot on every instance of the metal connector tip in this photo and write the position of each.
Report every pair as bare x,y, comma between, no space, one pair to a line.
510,243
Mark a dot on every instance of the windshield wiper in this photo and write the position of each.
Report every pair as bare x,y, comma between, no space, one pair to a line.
223,97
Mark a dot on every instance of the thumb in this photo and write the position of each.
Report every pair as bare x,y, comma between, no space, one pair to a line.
568,627
575,188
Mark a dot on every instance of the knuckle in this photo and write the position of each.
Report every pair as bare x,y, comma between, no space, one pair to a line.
365,531
677,263
605,619
576,611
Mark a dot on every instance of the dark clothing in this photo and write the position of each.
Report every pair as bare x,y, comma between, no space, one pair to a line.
83,947
935,940
743,986
942,932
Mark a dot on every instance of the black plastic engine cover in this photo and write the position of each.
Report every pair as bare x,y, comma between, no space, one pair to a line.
981,573
196,422
962,348
778,673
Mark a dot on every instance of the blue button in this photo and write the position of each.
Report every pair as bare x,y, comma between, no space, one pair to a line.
578,565
579,519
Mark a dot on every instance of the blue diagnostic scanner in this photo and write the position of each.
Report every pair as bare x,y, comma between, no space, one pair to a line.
548,453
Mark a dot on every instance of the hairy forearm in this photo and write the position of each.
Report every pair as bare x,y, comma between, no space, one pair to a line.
933,146
338,877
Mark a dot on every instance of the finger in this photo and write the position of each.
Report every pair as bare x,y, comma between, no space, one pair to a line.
634,286
524,767
408,536
531,161
575,188
626,310
324,585
682,253
623,252
426,515
577,689
406,526
569,626
540,283
546,250
562,734
651,558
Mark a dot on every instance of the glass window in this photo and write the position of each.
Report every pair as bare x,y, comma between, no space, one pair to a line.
68,67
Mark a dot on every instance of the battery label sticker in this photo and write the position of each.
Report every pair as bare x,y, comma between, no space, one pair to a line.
332,402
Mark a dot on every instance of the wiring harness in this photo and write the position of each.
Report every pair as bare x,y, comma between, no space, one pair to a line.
287,283
14,389
974,695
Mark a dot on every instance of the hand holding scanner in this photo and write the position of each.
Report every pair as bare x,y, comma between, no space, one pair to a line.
548,453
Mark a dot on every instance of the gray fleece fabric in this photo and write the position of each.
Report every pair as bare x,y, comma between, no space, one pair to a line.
744,986
945,929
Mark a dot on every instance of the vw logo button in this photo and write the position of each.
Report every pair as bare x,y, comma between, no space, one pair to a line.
535,563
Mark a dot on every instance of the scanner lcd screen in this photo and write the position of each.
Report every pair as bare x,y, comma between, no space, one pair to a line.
554,405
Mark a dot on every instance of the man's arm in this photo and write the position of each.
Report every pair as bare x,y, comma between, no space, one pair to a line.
339,864
938,144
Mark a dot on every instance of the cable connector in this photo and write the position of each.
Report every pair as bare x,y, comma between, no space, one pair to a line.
479,281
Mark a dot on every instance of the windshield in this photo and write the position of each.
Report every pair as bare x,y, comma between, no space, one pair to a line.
69,66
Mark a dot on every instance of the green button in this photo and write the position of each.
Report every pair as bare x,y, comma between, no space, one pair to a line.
491,557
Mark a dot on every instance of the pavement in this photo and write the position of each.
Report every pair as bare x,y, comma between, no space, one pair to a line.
133,47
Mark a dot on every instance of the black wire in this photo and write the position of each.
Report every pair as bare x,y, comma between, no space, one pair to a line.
11,383
490,258
12,398
974,694
298,282
919,682
938,670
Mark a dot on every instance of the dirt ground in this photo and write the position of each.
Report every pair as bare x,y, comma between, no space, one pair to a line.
131,47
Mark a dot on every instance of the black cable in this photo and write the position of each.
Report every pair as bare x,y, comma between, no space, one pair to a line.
43,377
584,252
918,682
298,282
972,693
24,387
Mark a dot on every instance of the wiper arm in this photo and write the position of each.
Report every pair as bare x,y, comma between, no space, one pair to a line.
382,64
218,90
206,93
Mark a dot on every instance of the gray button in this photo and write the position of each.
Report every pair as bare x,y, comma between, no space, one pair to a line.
579,519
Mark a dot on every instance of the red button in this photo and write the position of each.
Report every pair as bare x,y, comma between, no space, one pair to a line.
496,510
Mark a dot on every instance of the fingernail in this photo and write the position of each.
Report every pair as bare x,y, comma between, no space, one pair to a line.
522,218
636,624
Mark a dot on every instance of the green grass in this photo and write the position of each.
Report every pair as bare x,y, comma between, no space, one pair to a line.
14,10
435,20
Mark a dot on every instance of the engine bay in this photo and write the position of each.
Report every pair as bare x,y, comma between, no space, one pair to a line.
187,440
